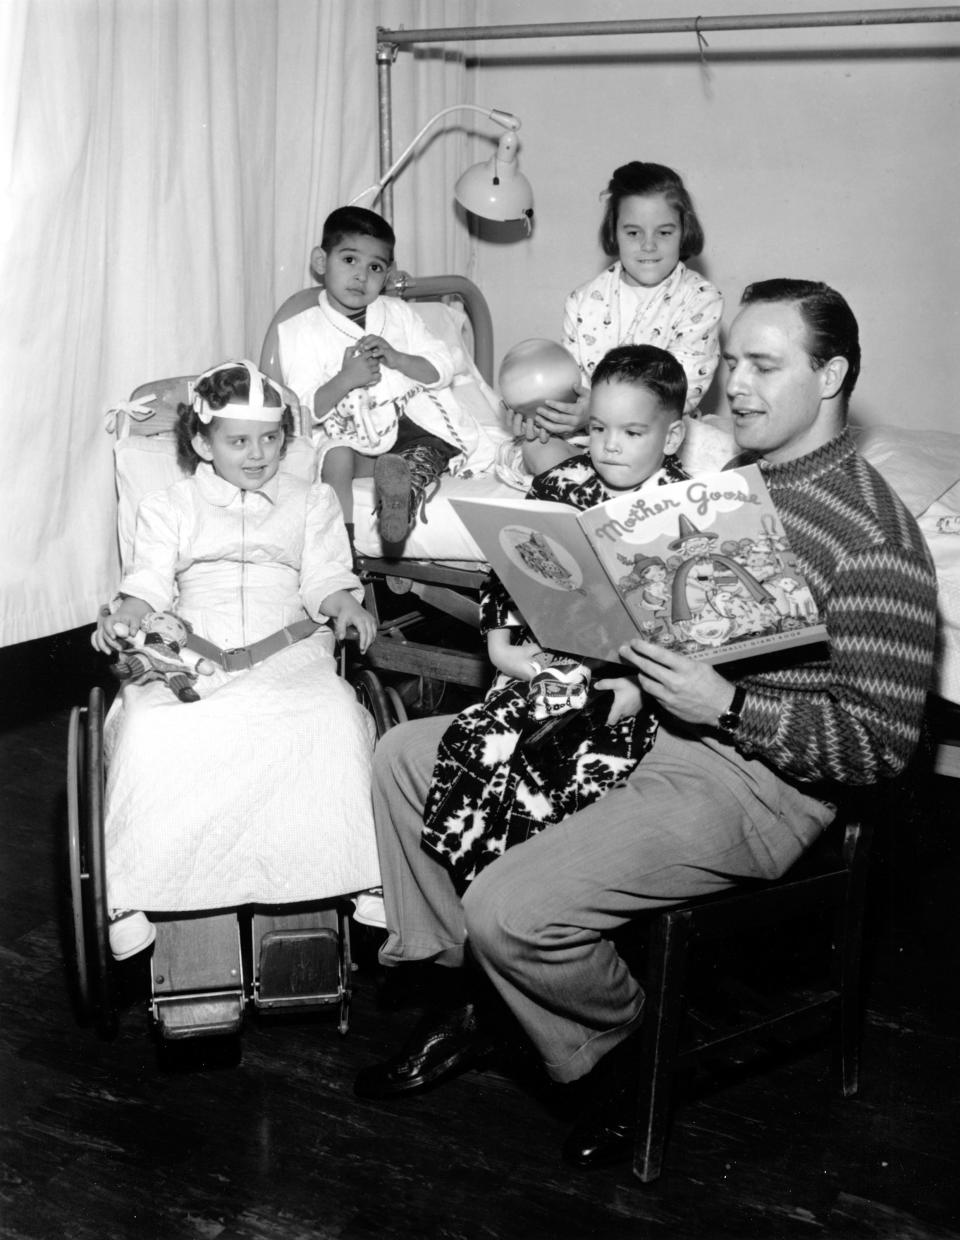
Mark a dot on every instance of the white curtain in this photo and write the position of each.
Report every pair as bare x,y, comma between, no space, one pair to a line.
165,168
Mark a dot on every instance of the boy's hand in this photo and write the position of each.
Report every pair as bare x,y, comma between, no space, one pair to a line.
525,427
554,417
380,349
360,367
516,661
627,698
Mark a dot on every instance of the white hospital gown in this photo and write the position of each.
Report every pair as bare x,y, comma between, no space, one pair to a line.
312,345
260,792
682,315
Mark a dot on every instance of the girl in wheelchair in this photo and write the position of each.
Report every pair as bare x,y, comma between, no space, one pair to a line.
259,791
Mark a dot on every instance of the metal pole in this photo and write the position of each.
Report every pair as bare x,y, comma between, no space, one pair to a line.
674,25
386,55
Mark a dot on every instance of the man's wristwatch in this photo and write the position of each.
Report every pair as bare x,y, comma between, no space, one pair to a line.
729,721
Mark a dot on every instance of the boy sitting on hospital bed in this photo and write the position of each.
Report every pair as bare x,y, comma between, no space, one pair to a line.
376,381
259,792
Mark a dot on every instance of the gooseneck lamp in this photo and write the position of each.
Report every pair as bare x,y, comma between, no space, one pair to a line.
495,189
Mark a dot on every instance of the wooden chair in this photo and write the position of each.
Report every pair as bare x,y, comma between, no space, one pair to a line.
830,878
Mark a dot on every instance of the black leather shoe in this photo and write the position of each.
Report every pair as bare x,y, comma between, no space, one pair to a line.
604,1134
449,1044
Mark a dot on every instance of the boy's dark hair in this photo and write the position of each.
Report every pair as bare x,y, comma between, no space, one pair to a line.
832,329
218,390
644,365
353,222
638,179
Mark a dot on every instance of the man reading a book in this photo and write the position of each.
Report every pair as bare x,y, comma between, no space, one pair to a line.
742,777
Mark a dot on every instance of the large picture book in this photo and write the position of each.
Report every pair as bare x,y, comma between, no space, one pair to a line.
701,566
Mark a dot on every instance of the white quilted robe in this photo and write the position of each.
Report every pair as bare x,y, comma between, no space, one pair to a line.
260,792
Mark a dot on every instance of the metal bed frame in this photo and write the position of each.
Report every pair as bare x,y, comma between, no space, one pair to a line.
389,43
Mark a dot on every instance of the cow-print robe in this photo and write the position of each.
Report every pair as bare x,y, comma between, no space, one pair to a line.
488,791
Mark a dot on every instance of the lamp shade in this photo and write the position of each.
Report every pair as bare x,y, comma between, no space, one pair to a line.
496,189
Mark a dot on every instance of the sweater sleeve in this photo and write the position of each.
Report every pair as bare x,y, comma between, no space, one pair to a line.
855,719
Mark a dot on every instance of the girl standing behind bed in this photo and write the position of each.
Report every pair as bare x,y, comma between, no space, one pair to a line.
490,788
647,296
209,802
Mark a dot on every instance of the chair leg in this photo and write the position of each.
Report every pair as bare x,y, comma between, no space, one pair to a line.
849,931
849,948
667,966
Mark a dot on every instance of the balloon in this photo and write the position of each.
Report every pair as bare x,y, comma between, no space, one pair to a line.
534,371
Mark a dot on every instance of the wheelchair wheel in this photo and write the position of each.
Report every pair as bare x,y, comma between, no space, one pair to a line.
383,703
396,703
89,944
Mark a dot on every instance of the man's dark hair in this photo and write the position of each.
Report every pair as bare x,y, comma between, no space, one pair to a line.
354,222
832,329
644,365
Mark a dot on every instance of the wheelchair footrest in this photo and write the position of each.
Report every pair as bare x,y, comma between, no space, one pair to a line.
201,1016
299,967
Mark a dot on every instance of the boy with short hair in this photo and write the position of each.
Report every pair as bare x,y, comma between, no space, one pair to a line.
375,379
490,788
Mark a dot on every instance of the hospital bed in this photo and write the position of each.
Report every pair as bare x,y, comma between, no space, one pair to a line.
206,967
442,567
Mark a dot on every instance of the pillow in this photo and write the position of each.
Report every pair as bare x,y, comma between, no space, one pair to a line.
708,444
450,324
919,465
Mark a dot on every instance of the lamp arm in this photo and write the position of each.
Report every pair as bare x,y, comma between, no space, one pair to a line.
506,119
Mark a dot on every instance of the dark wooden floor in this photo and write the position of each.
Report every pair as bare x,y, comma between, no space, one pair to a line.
99,1141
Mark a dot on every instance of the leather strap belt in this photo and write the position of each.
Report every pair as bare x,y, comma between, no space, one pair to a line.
242,657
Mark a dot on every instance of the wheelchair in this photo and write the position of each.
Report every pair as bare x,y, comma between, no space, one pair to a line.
206,968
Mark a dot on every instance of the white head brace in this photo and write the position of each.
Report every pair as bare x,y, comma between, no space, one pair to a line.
253,409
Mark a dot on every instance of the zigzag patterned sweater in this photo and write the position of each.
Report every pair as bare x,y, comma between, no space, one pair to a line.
853,717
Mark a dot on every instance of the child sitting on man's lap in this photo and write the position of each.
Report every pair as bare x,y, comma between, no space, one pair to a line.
491,788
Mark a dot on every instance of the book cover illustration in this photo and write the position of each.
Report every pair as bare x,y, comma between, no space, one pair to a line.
701,566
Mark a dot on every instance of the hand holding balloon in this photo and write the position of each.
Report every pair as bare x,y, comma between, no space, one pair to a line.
540,384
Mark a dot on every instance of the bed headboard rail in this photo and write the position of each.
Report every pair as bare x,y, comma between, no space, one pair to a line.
410,288
423,288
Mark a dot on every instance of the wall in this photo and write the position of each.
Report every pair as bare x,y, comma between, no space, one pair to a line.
828,154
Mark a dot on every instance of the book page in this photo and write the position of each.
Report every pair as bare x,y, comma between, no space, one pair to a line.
552,573
704,566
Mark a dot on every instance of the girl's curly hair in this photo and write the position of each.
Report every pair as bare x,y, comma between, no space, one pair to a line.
218,390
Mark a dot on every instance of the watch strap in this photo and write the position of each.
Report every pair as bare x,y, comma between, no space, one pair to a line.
729,721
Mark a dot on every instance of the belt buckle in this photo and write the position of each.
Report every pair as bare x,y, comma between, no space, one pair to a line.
238,659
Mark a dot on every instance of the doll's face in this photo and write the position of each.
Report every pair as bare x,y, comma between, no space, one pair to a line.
165,625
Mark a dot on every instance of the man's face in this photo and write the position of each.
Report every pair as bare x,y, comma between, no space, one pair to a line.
776,397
